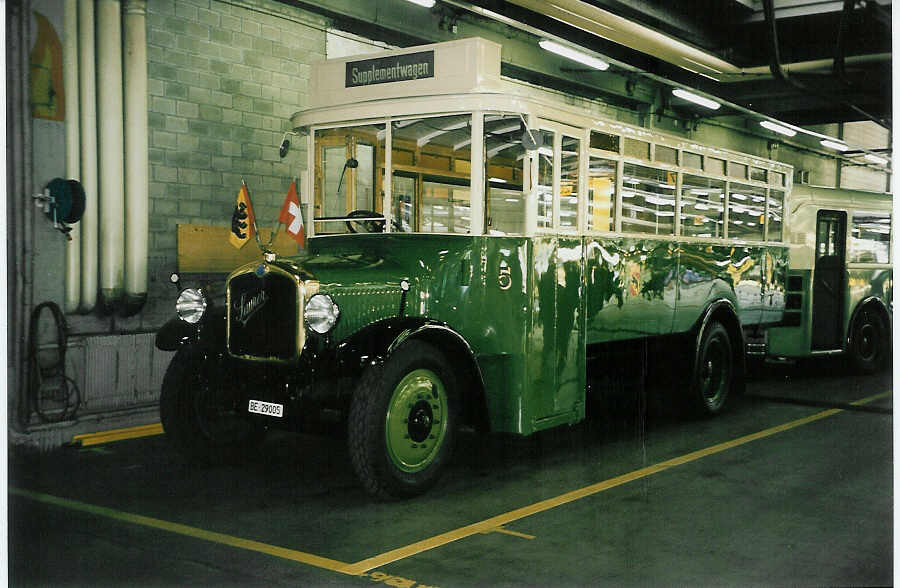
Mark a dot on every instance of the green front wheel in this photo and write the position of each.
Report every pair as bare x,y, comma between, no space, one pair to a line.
403,420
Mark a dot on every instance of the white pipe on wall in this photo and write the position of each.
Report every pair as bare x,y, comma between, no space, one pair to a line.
88,120
112,152
73,148
137,163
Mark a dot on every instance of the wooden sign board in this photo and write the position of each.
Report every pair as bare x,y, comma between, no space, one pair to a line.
206,249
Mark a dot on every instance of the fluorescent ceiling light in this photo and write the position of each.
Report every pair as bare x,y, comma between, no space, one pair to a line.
696,99
498,180
425,3
834,145
777,128
573,54
876,159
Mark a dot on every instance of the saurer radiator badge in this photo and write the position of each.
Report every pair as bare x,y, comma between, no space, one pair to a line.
382,70
248,305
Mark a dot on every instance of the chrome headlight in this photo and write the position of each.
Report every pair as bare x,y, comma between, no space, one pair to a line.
191,305
321,313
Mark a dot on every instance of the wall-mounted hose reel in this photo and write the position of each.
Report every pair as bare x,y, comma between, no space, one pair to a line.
63,203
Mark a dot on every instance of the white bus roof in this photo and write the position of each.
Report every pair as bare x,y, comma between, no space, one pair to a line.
839,198
459,76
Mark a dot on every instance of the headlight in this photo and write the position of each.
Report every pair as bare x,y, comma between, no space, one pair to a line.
191,305
321,313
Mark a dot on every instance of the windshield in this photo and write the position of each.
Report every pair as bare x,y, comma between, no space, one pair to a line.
430,180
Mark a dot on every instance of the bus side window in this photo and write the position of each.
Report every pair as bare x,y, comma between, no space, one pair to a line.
504,174
568,182
702,207
601,205
431,174
746,212
545,181
870,237
648,200
775,215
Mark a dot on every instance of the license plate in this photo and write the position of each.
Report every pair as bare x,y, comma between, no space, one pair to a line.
266,408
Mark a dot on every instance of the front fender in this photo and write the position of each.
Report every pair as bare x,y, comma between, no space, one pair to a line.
209,333
176,334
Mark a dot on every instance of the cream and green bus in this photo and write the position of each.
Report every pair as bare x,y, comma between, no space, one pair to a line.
474,241
839,296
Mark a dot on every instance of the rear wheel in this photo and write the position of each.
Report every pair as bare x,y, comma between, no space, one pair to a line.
868,341
403,421
201,413
713,371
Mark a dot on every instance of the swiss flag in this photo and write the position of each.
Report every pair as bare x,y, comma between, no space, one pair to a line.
291,217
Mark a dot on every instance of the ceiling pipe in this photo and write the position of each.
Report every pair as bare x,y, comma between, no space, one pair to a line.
617,29
780,74
658,79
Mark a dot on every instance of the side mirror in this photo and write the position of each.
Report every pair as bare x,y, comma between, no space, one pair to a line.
284,148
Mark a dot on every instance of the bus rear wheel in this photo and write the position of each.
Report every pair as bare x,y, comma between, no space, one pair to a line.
713,371
403,421
868,341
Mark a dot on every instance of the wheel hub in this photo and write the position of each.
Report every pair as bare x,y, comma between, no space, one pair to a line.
415,424
420,419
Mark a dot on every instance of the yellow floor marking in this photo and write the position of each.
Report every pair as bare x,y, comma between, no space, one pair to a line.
117,434
493,524
544,505
506,531
282,552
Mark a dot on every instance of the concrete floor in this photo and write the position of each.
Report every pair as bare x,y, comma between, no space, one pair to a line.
809,505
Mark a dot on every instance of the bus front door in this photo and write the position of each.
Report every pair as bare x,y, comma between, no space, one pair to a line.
828,280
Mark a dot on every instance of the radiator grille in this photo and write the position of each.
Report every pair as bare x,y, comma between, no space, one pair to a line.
265,316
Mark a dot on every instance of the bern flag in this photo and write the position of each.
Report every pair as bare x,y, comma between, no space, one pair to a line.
242,221
291,217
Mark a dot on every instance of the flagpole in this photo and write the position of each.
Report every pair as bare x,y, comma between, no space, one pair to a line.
255,228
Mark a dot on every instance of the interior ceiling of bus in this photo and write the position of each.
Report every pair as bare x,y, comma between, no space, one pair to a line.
832,63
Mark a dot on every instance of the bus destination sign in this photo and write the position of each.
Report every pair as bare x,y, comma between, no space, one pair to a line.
383,70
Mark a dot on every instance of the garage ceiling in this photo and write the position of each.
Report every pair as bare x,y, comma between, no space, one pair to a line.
812,36
831,59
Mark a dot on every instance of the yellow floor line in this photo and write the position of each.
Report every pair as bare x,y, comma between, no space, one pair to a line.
87,439
493,524
506,531
544,505
282,552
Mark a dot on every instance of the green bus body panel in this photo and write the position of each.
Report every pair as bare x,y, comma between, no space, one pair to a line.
861,283
529,307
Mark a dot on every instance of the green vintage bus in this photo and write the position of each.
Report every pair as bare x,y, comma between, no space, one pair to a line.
472,241
839,295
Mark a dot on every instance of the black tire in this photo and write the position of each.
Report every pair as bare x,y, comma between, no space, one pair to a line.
713,371
200,411
869,342
397,392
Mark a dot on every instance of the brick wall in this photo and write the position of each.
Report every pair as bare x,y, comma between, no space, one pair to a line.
224,79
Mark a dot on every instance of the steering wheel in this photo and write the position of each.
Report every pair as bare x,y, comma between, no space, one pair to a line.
367,226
